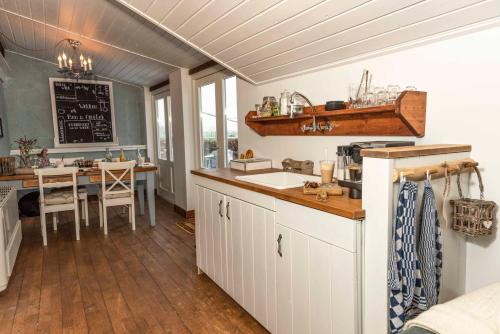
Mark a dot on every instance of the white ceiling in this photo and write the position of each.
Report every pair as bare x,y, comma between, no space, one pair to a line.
262,40
122,44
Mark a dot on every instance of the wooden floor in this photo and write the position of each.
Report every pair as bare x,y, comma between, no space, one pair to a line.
129,282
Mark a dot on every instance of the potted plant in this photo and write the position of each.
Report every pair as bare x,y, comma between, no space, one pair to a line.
26,145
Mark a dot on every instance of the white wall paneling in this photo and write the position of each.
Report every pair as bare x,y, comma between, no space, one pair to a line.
265,40
122,44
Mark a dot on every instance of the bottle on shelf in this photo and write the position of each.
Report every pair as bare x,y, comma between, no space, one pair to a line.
122,156
109,156
139,158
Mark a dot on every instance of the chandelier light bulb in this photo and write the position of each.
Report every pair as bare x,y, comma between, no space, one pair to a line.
64,60
89,61
70,63
59,60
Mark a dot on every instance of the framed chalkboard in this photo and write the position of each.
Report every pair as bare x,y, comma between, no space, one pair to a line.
82,112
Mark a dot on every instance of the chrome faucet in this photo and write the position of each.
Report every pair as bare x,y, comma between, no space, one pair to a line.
314,126
292,102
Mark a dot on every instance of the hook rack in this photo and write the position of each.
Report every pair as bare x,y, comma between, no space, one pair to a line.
436,171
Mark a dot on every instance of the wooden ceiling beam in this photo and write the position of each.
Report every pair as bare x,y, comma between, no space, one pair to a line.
202,67
159,85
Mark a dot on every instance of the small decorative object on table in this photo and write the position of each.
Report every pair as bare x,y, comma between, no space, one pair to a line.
300,167
122,156
44,158
473,217
109,156
25,147
322,190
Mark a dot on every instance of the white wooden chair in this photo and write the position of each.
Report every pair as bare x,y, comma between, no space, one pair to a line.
118,192
57,200
82,193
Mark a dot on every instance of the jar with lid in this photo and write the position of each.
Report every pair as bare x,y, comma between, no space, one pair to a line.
284,102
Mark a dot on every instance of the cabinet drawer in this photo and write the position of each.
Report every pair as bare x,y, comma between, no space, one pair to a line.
335,230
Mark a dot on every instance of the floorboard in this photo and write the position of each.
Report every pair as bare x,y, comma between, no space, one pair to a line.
127,282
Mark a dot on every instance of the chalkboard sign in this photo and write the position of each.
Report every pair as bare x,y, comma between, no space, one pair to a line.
83,112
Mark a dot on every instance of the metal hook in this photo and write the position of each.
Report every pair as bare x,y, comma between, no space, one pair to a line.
402,177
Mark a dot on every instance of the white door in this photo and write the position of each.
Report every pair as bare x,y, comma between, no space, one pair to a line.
218,120
164,145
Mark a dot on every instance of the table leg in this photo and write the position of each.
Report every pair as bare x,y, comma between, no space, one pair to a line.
140,195
150,178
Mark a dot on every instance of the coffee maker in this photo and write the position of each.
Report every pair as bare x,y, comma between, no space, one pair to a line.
351,161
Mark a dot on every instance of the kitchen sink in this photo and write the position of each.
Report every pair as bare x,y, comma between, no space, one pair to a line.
279,180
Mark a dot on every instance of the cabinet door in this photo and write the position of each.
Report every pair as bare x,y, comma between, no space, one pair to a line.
219,239
308,270
204,231
252,275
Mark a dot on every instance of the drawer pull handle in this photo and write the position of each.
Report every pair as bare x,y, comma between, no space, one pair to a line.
279,245
227,211
220,209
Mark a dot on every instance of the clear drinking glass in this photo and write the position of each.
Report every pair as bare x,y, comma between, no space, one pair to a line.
369,99
326,168
393,92
381,96
353,98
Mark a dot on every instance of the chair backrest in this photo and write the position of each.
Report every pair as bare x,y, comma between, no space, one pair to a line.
56,178
119,172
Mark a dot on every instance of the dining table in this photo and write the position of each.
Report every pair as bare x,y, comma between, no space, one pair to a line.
144,181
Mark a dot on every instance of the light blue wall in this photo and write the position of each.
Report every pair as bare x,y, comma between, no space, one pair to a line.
4,141
28,106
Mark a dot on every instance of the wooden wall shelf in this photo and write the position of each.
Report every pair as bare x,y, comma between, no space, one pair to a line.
404,118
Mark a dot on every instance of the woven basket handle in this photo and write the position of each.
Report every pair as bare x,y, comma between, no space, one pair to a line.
480,179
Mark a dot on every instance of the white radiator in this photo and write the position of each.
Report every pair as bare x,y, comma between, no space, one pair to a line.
10,233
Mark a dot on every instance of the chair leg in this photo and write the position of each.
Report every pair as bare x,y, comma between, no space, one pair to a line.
105,216
55,218
43,225
100,213
82,209
86,202
132,213
77,222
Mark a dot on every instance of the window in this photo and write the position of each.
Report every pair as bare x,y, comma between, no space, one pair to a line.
208,122
231,117
218,120
160,129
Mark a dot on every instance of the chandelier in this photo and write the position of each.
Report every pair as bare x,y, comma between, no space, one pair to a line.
81,68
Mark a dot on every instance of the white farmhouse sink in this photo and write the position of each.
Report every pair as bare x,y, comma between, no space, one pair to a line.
279,180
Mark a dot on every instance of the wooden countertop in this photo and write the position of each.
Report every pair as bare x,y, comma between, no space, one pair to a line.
414,151
338,205
91,171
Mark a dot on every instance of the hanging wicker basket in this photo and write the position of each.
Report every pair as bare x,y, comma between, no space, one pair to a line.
473,217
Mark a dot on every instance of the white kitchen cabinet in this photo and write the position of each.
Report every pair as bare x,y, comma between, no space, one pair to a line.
235,246
311,288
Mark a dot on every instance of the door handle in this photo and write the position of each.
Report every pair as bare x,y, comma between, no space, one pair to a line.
279,245
220,209
227,211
